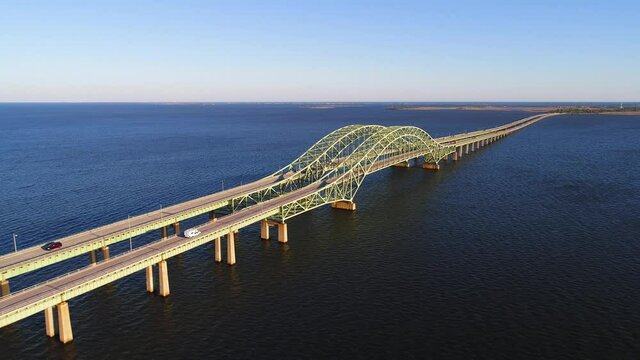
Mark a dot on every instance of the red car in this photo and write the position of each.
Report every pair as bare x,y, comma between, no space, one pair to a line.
52,245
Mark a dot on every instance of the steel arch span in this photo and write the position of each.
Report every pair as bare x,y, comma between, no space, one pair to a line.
379,149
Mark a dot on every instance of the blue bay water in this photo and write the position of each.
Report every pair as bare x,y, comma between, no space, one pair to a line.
525,249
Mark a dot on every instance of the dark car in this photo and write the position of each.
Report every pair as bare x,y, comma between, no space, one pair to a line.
52,245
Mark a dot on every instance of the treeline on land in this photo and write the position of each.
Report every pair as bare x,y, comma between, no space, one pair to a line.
594,109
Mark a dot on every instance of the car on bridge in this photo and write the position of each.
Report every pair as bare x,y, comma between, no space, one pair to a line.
52,245
191,232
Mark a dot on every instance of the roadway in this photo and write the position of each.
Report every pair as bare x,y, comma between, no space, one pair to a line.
34,257
77,244
32,300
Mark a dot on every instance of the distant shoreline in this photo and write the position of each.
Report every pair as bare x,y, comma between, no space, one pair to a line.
539,109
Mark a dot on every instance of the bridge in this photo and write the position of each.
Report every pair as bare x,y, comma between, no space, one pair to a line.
330,172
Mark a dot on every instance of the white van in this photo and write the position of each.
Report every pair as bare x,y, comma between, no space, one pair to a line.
191,232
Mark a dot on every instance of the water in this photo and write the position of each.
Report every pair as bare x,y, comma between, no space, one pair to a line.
526,249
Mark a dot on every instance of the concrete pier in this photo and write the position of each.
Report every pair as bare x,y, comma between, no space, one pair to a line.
404,164
283,236
64,323
231,249
49,325
105,253
4,288
165,232
212,215
176,228
455,155
460,153
344,205
217,249
150,278
92,257
264,230
431,166
163,279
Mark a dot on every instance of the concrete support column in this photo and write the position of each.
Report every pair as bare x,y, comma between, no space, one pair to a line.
217,249
455,155
264,230
460,153
165,232
105,252
403,164
473,146
431,166
163,279
231,249
212,215
49,326
4,288
64,323
150,278
283,236
176,228
344,205
466,149
92,257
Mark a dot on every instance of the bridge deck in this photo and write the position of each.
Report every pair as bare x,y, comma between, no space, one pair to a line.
39,297
34,257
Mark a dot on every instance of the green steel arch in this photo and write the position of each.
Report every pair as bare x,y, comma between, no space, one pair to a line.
383,148
313,164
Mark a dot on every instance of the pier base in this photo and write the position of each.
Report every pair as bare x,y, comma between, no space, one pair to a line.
231,249
150,278
165,232
344,205
64,323
4,288
49,326
105,252
455,155
431,166
217,249
466,149
264,230
403,164
163,279
212,216
283,235
176,229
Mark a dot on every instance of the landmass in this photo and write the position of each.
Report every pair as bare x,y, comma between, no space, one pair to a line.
609,110
329,106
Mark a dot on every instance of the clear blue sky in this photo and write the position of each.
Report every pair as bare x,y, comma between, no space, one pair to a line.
138,50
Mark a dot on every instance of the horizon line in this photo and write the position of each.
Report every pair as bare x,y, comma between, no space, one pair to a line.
325,102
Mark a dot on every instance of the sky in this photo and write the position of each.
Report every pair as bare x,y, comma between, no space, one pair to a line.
264,51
